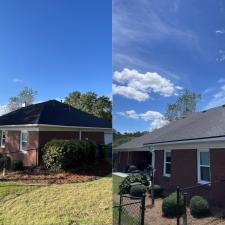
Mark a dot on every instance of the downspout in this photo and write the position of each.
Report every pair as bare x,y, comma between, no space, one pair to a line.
152,150
80,135
37,161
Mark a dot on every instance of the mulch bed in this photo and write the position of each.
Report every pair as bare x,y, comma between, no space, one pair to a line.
88,173
153,215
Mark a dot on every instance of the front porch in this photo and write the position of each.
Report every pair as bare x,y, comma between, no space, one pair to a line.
123,159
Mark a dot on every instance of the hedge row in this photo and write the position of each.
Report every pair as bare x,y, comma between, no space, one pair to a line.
68,154
7,163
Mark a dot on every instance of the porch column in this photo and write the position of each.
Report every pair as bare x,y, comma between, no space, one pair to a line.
153,159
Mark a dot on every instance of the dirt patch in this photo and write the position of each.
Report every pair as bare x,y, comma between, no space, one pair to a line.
153,215
88,173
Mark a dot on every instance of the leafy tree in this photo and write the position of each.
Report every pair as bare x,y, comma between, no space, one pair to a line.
120,138
26,96
90,102
184,105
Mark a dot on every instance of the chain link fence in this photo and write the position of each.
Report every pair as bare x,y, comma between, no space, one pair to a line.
213,192
130,211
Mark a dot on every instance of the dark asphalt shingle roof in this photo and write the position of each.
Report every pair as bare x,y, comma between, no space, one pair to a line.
53,113
199,125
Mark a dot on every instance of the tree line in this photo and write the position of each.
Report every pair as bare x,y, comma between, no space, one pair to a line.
90,102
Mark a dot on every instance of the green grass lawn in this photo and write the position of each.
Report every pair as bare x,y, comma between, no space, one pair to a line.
116,182
65,204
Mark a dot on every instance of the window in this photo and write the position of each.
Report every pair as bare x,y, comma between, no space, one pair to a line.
204,175
2,138
167,163
23,140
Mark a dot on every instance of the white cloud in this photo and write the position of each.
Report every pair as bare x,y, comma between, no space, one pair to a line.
217,99
156,118
220,31
129,22
221,56
3,109
17,80
129,92
138,86
221,80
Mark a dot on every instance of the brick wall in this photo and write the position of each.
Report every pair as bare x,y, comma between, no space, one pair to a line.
96,137
184,173
12,147
37,140
45,136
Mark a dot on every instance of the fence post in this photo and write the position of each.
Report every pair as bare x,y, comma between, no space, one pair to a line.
178,204
143,209
185,209
120,210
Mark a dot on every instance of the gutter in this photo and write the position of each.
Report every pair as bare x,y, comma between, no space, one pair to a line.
183,141
59,126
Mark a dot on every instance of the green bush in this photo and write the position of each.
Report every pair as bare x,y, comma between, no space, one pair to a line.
138,190
199,206
158,191
68,154
17,165
5,162
125,186
169,206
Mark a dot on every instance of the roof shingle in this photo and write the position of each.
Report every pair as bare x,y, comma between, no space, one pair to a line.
52,112
199,125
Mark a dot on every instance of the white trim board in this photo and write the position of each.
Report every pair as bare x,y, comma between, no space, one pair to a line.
48,127
200,181
164,163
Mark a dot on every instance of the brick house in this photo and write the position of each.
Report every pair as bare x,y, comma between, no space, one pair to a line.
24,132
187,152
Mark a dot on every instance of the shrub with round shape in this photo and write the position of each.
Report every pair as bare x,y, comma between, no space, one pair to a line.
17,165
5,162
126,184
169,206
199,207
158,191
138,190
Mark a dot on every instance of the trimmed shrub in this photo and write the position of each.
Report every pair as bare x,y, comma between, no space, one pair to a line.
125,186
138,190
68,154
169,206
16,165
199,207
158,191
5,162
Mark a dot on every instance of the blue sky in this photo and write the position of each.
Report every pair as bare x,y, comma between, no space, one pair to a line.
55,47
160,48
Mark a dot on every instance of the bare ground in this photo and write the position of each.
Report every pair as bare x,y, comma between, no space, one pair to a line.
153,215
89,173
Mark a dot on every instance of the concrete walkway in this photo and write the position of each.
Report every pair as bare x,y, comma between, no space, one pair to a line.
119,174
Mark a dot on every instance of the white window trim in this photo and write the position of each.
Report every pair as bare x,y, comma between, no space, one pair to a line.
164,164
23,131
200,181
3,131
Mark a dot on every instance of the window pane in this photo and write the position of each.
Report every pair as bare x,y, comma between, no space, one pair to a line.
168,156
24,137
205,173
168,168
24,145
204,158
